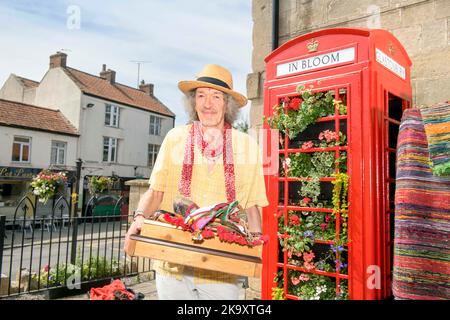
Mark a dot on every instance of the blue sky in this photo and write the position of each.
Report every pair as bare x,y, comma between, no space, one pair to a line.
177,37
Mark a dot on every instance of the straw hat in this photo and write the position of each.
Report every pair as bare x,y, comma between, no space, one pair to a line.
215,77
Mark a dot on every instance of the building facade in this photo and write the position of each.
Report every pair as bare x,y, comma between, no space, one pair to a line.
32,139
422,26
120,128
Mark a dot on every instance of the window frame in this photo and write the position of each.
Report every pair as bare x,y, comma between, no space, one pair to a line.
110,147
156,125
152,155
113,113
21,144
64,148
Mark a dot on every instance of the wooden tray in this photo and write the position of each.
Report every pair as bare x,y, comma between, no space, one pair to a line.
165,242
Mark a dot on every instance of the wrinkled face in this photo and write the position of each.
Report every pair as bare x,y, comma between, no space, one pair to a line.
210,107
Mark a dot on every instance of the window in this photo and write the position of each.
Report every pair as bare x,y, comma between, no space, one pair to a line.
155,125
21,149
112,115
58,154
153,150
109,149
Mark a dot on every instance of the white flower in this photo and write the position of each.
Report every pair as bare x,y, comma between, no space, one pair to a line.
287,162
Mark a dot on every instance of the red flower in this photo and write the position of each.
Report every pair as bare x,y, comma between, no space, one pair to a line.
295,103
294,220
306,201
323,226
327,218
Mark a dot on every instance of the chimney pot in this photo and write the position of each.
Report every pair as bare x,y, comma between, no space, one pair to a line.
109,75
59,59
146,87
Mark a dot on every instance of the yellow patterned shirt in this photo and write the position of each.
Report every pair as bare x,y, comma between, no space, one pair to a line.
207,188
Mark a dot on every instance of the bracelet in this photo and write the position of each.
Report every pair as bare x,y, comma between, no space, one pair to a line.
254,234
138,213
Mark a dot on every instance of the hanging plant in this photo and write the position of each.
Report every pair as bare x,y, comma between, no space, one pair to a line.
98,184
340,201
46,184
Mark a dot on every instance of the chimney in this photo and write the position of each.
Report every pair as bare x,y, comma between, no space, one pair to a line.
146,87
58,59
109,74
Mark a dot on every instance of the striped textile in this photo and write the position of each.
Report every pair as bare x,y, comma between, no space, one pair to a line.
436,120
422,218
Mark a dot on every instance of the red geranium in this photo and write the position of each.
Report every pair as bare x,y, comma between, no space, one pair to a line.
294,220
295,103
306,201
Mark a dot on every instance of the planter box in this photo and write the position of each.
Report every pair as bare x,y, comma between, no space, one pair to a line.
60,292
164,242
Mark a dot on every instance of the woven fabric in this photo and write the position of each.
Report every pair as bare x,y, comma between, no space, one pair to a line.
436,120
422,218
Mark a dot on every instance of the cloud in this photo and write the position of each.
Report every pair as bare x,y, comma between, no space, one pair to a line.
177,37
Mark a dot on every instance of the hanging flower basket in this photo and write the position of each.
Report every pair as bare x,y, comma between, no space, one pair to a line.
47,184
99,184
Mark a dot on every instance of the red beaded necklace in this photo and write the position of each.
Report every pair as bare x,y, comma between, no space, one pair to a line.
195,137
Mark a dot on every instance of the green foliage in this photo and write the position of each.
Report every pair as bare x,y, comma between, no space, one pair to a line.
340,201
311,188
241,126
278,293
98,184
292,122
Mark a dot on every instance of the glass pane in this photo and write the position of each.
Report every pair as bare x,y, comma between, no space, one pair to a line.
16,152
61,156
53,155
105,141
105,153
113,154
25,152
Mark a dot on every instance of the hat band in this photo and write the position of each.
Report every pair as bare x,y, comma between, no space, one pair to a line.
214,81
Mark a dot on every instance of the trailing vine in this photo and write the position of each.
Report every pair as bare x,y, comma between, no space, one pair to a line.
340,202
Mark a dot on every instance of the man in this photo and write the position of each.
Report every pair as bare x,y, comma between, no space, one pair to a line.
208,162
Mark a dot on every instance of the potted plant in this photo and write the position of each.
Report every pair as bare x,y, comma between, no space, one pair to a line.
98,184
46,184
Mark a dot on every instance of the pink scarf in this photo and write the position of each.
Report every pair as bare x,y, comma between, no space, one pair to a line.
195,137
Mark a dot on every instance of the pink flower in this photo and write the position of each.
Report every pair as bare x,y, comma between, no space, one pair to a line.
328,136
307,145
46,268
295,281
308,256
323,226
309,266
304,277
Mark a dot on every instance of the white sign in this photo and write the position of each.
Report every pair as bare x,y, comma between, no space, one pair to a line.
316,62
390,63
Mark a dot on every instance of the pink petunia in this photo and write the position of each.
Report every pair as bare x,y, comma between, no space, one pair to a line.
307,145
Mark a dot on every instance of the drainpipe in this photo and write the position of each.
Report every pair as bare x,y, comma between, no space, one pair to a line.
275,24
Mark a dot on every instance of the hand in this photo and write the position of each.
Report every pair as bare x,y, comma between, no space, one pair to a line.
135,228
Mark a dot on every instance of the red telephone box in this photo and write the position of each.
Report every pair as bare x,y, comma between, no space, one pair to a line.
369,72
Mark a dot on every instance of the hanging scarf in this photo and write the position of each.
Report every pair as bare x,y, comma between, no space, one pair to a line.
195,137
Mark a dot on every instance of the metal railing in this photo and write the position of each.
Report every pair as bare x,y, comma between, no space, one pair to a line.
38,252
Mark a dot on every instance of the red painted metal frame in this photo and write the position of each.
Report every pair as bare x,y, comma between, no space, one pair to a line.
368,84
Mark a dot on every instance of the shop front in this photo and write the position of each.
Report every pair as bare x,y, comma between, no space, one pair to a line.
15,185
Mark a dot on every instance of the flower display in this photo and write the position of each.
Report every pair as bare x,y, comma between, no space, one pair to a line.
46,184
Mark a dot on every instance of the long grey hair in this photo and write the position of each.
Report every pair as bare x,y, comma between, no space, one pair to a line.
231,107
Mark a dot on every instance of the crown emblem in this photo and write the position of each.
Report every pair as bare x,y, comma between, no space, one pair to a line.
312,45
391,48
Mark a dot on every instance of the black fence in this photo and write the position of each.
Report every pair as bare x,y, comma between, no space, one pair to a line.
62,250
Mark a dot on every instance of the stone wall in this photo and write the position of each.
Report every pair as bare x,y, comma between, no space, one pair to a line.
422,26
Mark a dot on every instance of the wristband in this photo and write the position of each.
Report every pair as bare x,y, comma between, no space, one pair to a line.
138,213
